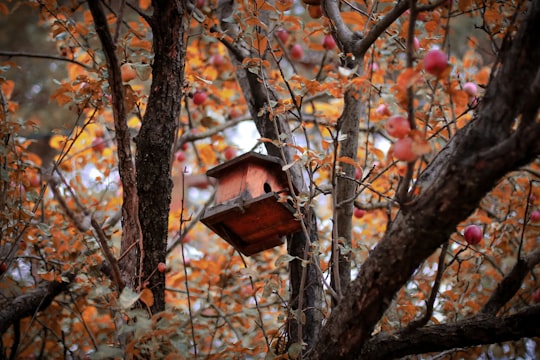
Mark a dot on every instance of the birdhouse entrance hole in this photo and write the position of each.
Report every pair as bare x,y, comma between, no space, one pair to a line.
249,210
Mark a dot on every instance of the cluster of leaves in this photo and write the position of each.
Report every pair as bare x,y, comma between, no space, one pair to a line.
62,219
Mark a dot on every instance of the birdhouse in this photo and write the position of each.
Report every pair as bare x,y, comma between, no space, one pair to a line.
251,212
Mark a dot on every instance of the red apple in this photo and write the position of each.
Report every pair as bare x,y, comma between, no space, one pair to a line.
199,97
471,89
315,11
397,126
34,181
283,35
3,268
297,52
403,150
435,62
161,267
180,156
328,42
473,234
127,72
98,144
535,216
383,110
359,213
199,4
358,174
217,60
536,296
229,153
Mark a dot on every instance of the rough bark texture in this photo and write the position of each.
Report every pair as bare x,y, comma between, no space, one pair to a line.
449,190
476,331
30,303
348,125
155,140
130,224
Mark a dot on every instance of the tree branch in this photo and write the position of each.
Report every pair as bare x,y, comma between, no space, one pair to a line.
450,188
511,283
474,331
131,232
31,302
41,56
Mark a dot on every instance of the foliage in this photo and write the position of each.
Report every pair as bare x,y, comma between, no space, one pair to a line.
61,219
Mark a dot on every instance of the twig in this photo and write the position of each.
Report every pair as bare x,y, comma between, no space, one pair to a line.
186,282
434,292
261,322
226,319
42,56
108,254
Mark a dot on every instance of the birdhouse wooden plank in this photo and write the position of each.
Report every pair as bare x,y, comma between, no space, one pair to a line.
250,210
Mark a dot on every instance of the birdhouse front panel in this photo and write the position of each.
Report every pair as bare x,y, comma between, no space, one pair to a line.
249,212
231,184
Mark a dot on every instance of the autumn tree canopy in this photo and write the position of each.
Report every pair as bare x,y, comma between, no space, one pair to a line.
407,131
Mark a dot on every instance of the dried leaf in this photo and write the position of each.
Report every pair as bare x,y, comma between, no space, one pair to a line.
147,297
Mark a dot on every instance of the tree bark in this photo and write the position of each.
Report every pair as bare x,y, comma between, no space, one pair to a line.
130,224
449,189
348,125
155,140
478,330
31,302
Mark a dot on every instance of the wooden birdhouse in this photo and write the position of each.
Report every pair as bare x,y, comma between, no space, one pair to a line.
247,213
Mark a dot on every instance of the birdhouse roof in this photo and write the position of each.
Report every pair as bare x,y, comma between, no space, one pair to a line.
274,164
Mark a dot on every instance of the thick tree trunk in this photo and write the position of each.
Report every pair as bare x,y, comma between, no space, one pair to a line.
450,188
155,140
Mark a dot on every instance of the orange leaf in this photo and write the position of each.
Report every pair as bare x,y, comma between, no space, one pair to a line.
48,276
7,88
408,78
144,4
147,297
348,160
420,146
464,5
4,9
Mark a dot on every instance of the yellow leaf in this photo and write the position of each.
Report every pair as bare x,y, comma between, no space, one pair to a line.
147,297
208,156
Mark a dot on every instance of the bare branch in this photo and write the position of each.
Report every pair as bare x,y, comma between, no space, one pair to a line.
31,302
475,331
131,232
41,56
511,283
